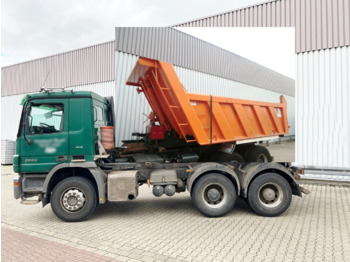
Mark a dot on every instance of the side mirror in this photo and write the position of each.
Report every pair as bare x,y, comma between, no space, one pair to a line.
48,115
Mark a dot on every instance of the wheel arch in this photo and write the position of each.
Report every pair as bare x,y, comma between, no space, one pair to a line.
211,167
254,170
88,170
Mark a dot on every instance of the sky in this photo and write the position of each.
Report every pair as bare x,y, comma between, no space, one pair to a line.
32,29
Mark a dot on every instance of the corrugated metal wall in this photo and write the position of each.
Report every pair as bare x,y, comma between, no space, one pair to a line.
180,49
132,106
10,116
320,24
131,109
96,64
323,109
88,65
11,108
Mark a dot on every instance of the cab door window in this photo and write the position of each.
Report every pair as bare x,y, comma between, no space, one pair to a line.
45,119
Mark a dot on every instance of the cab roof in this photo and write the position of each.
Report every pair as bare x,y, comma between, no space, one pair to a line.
64,94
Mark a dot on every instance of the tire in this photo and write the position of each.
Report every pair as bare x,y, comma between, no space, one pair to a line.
224,157
258,154
83,199
220,189
269,195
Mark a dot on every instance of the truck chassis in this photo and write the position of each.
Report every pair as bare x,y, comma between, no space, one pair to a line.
75,189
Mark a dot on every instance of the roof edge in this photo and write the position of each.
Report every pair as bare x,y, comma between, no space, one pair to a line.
222,13
230,52
57,54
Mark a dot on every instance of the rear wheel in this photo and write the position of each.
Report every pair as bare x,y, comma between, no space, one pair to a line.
214,195
269,195
258,154
74,199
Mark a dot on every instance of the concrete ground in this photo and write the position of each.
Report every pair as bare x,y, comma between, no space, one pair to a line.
315,228
284,152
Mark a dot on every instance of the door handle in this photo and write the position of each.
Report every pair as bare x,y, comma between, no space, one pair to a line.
61,158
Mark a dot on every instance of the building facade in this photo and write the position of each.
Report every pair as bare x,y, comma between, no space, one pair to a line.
201,67
322,80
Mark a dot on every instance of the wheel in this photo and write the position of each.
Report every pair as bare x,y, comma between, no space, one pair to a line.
258,154
214,195
224,157
74,199
269,195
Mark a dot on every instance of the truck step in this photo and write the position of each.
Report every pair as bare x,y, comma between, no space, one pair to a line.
30,202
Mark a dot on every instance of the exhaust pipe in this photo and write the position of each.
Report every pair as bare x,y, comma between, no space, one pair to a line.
131,197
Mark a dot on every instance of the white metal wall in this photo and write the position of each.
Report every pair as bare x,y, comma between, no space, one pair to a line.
323,109
11,108
131,109
130,105
10,116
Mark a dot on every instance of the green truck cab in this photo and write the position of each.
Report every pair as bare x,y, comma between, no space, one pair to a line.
57,129
60,127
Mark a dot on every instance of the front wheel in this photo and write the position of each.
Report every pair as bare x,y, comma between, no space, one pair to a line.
269,195
214,195
74,199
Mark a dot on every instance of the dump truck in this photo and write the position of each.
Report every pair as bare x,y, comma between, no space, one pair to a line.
66,153
214,128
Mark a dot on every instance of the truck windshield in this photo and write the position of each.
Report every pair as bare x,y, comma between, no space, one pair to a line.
45,118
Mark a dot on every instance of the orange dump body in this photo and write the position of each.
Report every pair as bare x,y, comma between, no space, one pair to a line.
200,118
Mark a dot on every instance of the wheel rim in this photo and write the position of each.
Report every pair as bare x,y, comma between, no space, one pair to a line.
214,195
271,195
262,158
73,199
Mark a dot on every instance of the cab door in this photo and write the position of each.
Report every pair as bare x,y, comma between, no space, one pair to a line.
44,137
